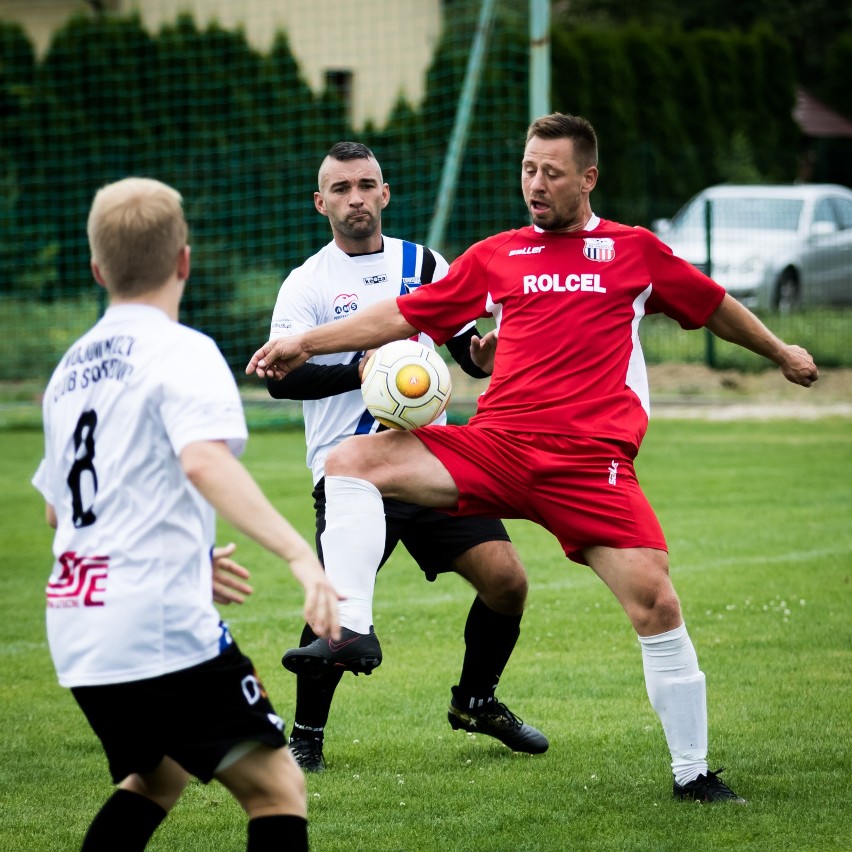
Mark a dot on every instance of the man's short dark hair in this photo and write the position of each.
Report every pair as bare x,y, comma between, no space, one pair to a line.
560,125
345,151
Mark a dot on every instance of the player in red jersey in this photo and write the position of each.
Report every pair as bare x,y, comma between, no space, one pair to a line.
556,433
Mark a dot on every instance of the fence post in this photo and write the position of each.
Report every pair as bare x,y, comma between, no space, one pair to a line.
539,96
458,138
709,339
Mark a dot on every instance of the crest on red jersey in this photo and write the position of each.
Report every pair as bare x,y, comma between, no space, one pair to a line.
599,248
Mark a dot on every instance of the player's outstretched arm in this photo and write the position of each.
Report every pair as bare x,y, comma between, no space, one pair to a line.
378,324
229,488
316,381
737,324
278,357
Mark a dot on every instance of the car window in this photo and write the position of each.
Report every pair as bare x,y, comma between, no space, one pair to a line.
691,217
743,214
824,212
843,209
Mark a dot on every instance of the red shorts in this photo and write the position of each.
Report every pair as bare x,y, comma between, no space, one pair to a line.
583,490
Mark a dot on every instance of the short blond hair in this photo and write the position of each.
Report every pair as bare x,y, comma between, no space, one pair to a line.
136,230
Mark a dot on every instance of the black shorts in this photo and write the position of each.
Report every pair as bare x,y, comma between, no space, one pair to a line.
195,716
433,538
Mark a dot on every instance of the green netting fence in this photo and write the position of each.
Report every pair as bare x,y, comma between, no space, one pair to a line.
238,123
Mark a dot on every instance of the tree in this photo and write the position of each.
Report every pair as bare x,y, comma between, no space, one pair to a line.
808,27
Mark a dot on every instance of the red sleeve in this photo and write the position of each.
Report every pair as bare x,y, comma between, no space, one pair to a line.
679,290
444,306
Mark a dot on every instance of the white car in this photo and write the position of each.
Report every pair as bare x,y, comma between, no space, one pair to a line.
771,247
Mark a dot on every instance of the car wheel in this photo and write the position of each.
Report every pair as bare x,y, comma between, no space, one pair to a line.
787,294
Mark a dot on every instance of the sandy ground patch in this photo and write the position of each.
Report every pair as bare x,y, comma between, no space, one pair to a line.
695,391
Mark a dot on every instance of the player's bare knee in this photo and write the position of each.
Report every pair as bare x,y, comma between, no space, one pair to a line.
345,460
657,612
266,782
511,580
163,785
505,593
294,781
494,569
509,592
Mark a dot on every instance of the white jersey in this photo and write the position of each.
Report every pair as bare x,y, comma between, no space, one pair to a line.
130,596
331,285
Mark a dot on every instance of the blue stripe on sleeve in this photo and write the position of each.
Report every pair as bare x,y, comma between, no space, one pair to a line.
365,424
409,266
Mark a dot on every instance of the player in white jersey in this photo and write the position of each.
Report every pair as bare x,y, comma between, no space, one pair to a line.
556,433
358,268
140,451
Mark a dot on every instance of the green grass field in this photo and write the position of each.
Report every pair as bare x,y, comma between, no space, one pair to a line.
758,521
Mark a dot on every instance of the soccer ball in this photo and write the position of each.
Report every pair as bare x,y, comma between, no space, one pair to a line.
406,385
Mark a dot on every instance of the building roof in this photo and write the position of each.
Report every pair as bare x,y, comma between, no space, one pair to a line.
817,120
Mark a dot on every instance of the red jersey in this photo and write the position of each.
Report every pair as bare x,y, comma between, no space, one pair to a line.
568,307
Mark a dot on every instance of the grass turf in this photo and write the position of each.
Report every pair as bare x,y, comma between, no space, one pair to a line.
757,518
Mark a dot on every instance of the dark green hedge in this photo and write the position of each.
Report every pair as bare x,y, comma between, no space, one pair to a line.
676,111
241,135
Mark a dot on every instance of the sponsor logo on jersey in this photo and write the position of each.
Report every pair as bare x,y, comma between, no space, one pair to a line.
376,279
601,249
282,325
557,283
613,472
97,350
344,305
527,250
411,280
71,380
81,581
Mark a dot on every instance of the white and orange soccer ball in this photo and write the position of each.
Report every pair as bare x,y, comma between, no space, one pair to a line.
406,385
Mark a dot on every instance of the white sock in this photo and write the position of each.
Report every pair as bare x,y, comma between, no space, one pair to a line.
677,691
352,546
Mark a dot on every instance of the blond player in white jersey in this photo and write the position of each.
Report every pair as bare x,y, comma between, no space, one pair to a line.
139,454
